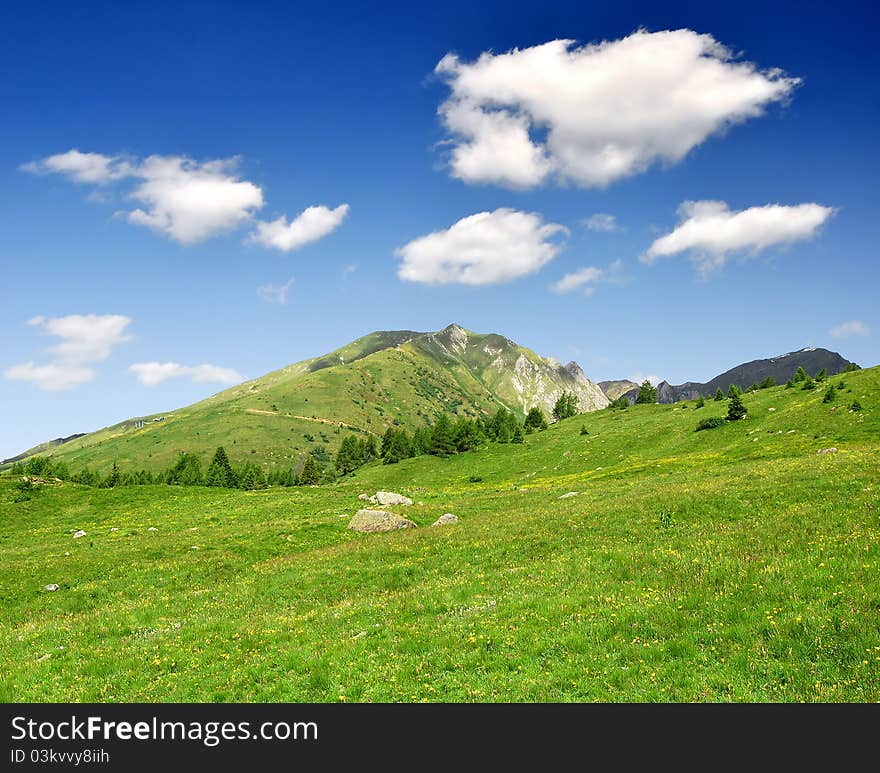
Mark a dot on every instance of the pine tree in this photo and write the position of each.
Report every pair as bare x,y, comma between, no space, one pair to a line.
736,410
535,420
789,384
220,472
800,375
700,402
647,393
310,473
719,395
113,478
442,437
349,455
830,395
187,471
768,382
518,436
733,389
566,406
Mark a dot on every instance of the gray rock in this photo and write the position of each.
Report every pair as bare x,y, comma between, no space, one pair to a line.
78,534
364,497
445,519
389,498
152,528
51,586
378,520
827,451
570,494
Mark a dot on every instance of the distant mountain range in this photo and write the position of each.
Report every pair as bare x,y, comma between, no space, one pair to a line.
780,368
398,377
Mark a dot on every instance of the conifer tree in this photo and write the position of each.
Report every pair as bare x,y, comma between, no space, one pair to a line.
566,406
647,393
310,473
442,437
719,395
736,410
535,420
800,375
220,472
349,455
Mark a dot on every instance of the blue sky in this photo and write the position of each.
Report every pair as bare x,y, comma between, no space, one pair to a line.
208,120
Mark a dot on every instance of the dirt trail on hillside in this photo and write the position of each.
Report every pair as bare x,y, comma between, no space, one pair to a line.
329,422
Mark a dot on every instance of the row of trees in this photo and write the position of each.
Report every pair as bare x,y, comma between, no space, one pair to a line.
444,437
447,435
187,470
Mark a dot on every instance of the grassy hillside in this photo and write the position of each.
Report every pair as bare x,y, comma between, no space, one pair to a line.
385,378
732,564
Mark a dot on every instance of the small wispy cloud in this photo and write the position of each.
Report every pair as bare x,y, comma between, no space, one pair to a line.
349,269
585,279
272,293
601,221
155,373
852,328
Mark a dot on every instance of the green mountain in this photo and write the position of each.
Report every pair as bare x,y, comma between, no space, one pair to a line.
386,378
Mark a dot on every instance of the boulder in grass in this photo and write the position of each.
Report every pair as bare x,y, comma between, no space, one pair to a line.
827,451
389,498
78,534
378,520
51,586
364,497
445,520
569,494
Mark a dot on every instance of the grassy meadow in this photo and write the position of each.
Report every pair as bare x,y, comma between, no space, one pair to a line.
733,564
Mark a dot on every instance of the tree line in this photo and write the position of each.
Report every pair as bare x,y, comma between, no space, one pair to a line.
446,436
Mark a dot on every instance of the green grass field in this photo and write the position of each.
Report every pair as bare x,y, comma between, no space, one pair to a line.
734,564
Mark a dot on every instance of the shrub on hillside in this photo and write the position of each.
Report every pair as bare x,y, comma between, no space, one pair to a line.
710,423
830,395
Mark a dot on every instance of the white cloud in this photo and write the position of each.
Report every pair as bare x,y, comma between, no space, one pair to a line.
189,201
81,167
640,378
311,224
349,269
485,248
709,231
154,373
587,278
275,293
852,328
52,377
602,222
596,113
85,339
